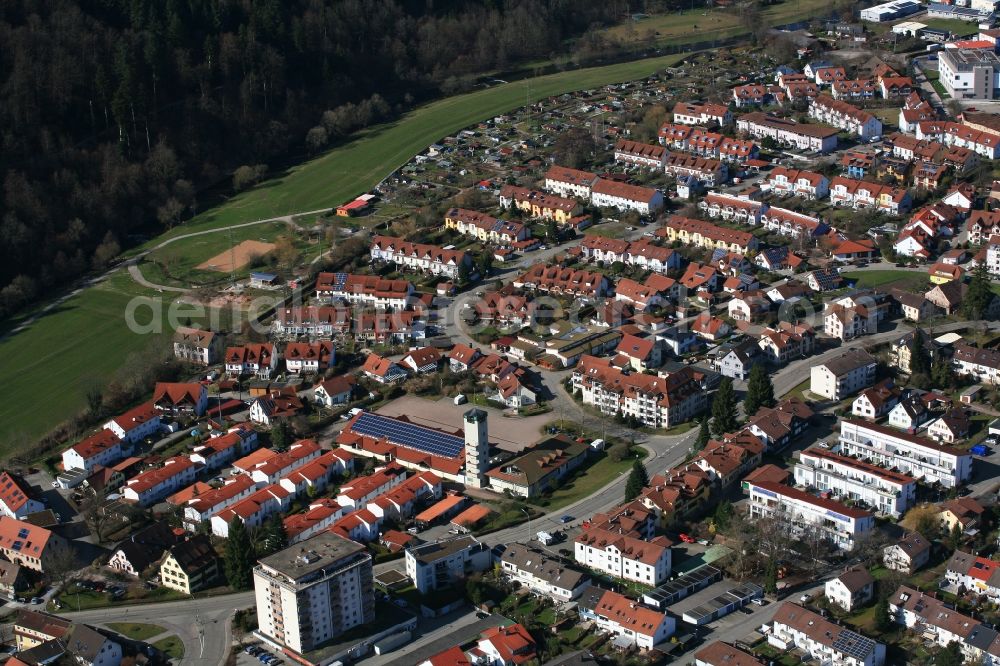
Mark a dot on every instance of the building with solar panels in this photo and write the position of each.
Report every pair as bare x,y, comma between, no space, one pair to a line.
795,627
412,445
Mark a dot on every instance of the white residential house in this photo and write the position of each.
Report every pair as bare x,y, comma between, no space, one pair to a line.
844,375
623,556
795,627
851,590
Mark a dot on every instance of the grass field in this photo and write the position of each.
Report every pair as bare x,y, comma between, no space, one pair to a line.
591,480
901,279
137,631
701,24
959,28
171,646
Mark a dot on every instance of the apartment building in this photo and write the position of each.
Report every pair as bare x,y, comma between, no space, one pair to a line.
314,591
862,194
541,573
844,375
369,290
885,491
657,402
815,138
802,513
315,321
443,563
419,256
800,183
918,457
560,281
103,448
624,556
795,627
194,345
845,116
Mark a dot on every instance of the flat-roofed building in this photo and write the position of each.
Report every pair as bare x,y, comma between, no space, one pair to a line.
441,564
803,513
888,492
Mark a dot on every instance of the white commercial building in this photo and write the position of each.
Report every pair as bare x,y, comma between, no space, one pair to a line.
314,591
921,458
890,11
970,73
884,490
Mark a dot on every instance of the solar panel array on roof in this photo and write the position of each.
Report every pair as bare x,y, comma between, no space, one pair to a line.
409,435
854,644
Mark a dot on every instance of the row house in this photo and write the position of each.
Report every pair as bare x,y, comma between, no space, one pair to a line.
407,327
254,510
914,112
136,424
790,223
420,256
800,183
623,196
641,253
542,574
885,491
827,76
484,227
895,86
704,234
571,183
798,628
803,91
314,321
370,290
697,113
860,164
317,474
978,575
854,90
753,94
655,291
919,457
358,492
640,154
814,138
706,144
844,116
981,364
201,508
258,359
309,357
803,514
862,194
320,515
731,208
557,280
950,133
151,486
658,402
274,467
624,556
217,452
709,171
540,204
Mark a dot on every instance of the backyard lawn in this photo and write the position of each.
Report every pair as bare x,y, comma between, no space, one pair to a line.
591,479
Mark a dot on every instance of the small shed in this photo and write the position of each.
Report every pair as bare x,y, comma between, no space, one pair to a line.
969,395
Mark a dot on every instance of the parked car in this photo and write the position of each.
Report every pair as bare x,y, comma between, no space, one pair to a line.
686,538
566,519
36,600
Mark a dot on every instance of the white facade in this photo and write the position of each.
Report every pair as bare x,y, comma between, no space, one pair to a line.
835,383
652,204
313,591
827,643
886,492
625,557
441,564
803,513
919,457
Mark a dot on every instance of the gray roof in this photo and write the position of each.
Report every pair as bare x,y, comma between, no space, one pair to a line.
429,553
313,554
913,544
85,642
855,579
543,567
848,361
591,597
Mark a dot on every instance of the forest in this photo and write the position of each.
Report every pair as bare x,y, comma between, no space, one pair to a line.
121,117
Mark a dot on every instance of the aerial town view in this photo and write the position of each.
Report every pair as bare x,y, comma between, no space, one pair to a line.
534,333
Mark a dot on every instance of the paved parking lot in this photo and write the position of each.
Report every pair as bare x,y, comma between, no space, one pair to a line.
510,433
